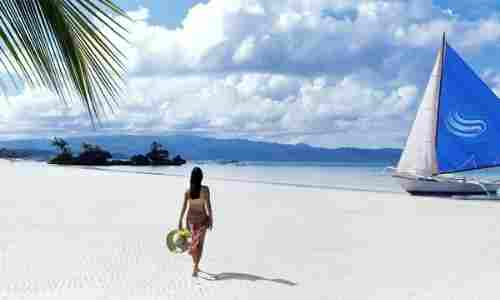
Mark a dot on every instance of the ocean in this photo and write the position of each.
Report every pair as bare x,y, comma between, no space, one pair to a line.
343,176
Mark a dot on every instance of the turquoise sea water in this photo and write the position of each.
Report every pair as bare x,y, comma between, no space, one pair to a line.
346,176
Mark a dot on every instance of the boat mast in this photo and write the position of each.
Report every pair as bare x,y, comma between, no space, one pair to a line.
443,53
436,120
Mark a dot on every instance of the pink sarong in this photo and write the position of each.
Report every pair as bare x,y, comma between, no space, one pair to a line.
198,232
198,224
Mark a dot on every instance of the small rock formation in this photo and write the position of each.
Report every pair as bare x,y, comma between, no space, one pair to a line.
92,155
159,156
178,160
140,160
65,156
11,154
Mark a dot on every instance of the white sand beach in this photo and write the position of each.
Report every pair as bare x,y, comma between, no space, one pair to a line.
69,233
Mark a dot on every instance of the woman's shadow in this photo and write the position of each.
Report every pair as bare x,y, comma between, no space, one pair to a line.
242,276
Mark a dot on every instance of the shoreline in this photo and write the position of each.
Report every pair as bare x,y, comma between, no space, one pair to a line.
222,178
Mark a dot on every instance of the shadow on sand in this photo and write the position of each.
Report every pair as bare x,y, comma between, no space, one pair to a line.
242,276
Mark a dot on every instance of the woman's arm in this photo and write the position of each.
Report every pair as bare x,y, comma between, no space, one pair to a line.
210,214
184,205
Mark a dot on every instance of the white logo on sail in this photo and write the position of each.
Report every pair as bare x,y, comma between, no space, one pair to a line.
461,127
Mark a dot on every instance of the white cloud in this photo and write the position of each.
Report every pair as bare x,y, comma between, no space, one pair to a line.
302,36
493,80
245,51
288,70
139,15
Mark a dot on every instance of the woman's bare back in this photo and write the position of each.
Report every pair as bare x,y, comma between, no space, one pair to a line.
200,203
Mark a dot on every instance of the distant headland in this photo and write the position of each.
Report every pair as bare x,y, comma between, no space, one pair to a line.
197,148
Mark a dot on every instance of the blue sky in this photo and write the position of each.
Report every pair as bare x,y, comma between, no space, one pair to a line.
328,73
471,9
169,13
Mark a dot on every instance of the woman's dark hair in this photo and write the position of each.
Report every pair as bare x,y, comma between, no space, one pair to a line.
196,178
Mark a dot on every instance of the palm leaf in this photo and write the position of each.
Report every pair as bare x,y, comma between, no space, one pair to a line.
65,46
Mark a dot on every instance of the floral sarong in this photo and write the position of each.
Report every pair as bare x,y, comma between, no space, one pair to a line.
198,225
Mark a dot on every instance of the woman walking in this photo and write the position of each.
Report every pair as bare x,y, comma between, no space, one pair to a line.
199,215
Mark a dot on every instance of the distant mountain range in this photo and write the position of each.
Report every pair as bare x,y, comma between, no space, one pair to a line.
203,148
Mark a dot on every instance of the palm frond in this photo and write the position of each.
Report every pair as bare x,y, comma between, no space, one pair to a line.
66,46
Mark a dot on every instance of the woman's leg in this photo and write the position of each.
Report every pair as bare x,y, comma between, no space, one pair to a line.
199,252
197,242
196,246
195,267
197,257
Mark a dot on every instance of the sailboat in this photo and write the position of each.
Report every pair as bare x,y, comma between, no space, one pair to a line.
456,129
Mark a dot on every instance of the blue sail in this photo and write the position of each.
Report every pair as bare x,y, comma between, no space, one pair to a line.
468,119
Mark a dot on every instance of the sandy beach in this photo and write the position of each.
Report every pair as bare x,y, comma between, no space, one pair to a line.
70,233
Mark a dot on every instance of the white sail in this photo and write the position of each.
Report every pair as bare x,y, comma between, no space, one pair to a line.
419,155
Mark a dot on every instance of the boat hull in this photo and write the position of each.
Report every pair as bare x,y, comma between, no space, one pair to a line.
448,187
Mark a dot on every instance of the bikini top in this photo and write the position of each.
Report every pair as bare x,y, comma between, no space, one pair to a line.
199,203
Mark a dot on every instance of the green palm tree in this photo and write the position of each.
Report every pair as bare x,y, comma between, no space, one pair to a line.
61,144
65,46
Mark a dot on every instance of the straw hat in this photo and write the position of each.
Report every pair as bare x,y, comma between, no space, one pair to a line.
178,240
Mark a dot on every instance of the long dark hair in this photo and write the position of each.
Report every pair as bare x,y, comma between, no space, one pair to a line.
196,178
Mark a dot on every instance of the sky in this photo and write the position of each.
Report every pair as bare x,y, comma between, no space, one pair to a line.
329,73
